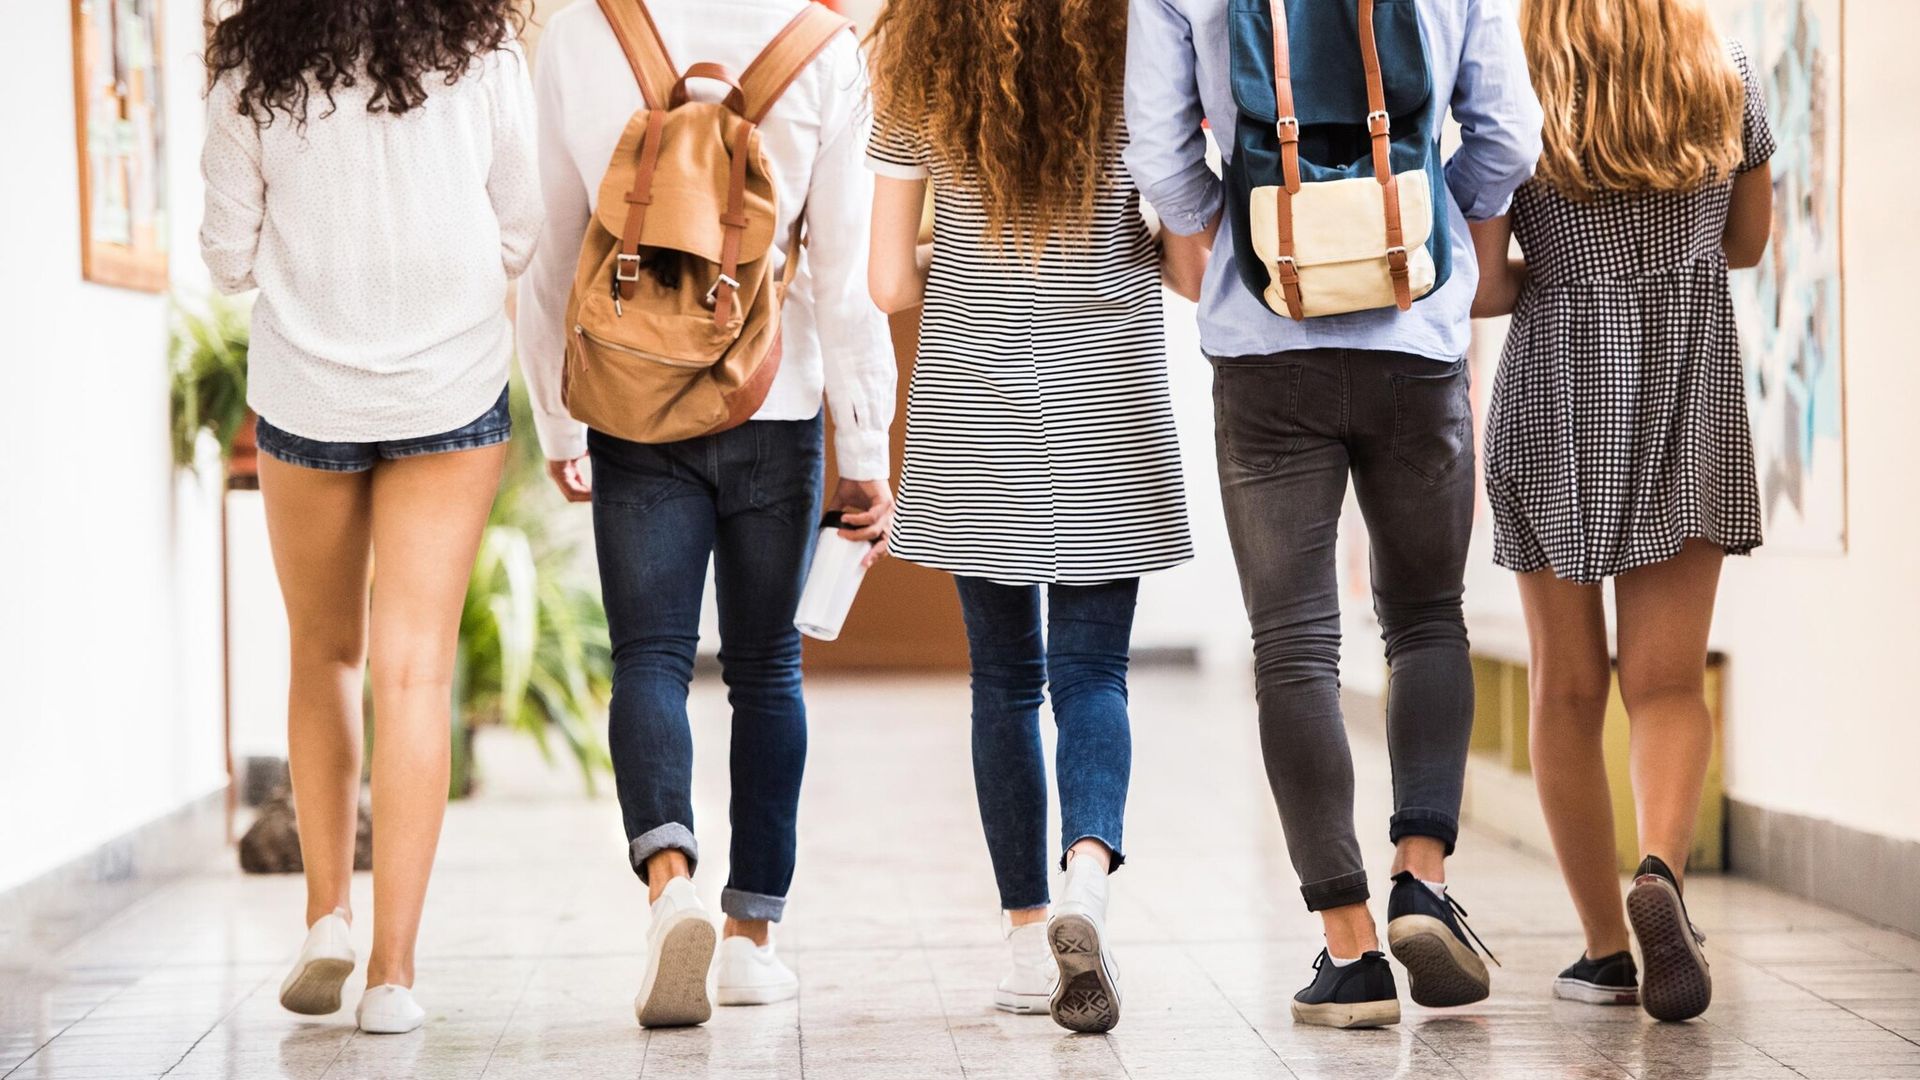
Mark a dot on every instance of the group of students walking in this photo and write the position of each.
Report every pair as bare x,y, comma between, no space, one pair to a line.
381,174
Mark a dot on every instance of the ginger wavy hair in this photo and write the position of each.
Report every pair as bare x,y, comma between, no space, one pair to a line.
1021,95
1639,95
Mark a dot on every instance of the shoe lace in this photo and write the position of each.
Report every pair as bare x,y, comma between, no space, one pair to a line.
1460,915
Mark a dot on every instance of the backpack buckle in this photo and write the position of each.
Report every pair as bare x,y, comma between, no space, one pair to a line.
626,267
1379,123
1397,258
1288,129
1287,270
713,294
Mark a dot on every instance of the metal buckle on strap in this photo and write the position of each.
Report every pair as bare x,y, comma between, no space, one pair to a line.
1288,128
626,267
713,294
1379,123
1287,270
1397,258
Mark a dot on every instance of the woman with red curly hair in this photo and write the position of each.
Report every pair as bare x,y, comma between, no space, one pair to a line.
1040,439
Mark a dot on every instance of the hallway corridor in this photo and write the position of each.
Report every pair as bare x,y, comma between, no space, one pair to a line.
532,946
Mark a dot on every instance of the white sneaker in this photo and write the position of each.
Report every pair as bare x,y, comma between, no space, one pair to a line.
389,1010
1087,997
679,951
312,988
751,974
1029,983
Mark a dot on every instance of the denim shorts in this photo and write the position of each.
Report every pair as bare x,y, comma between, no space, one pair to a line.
494,426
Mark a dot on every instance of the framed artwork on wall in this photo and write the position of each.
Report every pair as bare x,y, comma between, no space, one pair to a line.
120,129
1791,309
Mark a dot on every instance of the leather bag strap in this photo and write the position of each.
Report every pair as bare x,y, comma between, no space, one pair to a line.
720,73
653,67
786,56
1288,129
626,263
1379,128
733,222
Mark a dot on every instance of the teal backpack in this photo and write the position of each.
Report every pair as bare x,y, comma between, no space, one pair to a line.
1335,187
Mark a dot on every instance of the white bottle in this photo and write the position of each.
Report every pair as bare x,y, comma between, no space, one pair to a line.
838,569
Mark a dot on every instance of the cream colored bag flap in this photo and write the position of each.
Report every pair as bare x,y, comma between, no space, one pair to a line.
1340,243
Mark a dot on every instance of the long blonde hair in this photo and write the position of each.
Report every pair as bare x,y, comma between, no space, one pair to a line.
1019,92
1639,95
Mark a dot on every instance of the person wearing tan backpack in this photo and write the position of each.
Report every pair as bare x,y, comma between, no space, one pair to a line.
700,282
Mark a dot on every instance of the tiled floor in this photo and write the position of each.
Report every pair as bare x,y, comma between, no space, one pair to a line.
532,947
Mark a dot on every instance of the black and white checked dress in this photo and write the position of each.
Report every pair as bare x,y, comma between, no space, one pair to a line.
1040,436
1618,428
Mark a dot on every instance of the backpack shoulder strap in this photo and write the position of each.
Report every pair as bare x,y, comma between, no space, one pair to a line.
639,38
786,56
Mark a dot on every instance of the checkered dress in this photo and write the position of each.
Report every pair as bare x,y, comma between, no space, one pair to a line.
1618,428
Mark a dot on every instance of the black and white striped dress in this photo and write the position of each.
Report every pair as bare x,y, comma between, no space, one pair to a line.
1618,428
1040,435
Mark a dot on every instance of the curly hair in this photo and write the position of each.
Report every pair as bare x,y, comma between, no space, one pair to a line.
1639,95
285,50
1021,95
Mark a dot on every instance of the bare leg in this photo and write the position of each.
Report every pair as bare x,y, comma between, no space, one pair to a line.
318,523
428,515
1426,856
1568,681
1666,611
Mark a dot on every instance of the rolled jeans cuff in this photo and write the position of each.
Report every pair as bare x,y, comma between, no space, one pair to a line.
1336,892
1438,824
739,904
672,836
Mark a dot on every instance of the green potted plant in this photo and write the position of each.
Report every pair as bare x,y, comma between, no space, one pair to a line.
534,655
208,361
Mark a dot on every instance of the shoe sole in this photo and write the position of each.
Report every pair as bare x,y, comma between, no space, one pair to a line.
1022,1004
755,995
1358,1014
1674,982
1588,993
1442,972
315,989
1086,998
675,991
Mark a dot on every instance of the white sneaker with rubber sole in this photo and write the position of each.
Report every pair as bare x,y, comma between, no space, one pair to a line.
680,946
1087,997
749,974
1028,985
388,1010
312,988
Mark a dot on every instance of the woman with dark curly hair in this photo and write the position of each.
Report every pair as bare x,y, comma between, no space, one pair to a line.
1040,439
369,168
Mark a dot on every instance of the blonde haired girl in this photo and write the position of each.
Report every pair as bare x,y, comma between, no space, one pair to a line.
1617,442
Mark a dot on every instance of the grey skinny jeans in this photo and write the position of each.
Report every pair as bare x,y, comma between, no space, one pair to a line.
1289,429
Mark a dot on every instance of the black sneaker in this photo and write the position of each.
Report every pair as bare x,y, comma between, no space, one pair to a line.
1360,995
1429,936
1610,980
1678,985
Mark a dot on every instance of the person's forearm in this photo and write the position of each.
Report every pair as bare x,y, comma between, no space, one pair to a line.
1184,260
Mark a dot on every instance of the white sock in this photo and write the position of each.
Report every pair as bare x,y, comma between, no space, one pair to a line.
1439,887
1338,962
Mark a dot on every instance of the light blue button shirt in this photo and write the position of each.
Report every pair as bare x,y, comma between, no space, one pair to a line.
1177,73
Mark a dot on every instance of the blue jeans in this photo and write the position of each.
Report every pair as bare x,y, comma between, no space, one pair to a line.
1083,660
749,499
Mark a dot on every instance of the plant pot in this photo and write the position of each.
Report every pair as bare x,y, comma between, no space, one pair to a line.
243,466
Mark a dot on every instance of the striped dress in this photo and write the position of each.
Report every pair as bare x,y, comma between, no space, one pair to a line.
1040,436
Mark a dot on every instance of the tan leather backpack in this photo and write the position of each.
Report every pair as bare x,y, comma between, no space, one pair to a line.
675,313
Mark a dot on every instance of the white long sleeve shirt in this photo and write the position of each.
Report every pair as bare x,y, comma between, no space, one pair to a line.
833,338
381,245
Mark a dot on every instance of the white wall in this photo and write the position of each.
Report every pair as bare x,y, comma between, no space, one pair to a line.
1822,650
109,618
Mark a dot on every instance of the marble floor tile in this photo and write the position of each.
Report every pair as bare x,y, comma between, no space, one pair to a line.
535,934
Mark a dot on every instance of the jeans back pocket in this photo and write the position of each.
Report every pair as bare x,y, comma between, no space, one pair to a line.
1432,420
